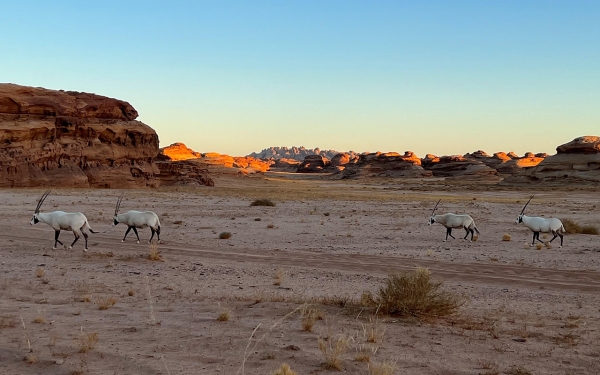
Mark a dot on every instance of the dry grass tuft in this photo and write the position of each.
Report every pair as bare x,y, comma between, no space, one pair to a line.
263,202
284,369
105,303
87,342
131,292
538,246
373,332
40,318
518,370
333,353
154,252
39,272
416,294
270,226
279,275
571,226
224,235
309,318
383,368
224,316
506,237
30,358
86,298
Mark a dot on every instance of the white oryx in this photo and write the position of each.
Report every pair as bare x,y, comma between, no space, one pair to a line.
59,220
451,221
137,219
540,224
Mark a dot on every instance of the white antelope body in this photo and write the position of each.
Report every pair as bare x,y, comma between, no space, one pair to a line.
541,225
137,219
454,221
59,220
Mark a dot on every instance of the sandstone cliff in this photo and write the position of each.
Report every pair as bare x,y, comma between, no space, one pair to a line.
67,138
390,164
576,162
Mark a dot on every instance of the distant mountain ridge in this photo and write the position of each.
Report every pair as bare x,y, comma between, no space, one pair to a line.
296,153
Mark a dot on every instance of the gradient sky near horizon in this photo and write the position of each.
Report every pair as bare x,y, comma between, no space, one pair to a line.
441,77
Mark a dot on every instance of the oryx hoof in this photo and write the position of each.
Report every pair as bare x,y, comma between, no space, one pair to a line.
137,241
53,248
85,250
122,240
70,247
159,241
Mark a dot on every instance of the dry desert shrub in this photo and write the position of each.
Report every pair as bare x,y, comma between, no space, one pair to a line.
416,294
30,358
310,315
333,353
224,316
383,368
373,332
571,226
284,369
87,341
131,292
518,370
263,202
154,253
506,237
39,272
224,235
539,246
40,318
279,275
105,303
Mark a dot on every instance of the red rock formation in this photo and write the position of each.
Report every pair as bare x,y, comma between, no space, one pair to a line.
285,165
577,162
460,166
390,164
58,138
184,172
313,164
252,165
177,151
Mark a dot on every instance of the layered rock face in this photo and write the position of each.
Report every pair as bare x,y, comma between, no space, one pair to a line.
72,139
577,161
390,164
313,164
460,166
177,151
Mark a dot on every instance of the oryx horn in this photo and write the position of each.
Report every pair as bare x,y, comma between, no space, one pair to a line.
435,208
118,206
523,210
42,199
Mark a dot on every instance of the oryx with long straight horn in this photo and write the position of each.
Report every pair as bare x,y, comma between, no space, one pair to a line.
452,221
59,220
137,219
540,224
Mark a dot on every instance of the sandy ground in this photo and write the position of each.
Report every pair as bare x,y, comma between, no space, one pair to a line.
529,311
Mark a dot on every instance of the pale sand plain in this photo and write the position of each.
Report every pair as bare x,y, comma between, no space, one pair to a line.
528,310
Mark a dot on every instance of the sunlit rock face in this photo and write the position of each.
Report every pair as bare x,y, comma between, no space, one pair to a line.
178,151
577,161
314,164
73,139
390,164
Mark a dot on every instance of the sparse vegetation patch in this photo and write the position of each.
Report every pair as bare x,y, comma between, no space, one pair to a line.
263,202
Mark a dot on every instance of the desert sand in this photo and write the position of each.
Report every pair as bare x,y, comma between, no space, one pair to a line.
528,310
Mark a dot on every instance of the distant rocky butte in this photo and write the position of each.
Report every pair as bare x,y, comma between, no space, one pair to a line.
222,163
296,153
74,139
576,162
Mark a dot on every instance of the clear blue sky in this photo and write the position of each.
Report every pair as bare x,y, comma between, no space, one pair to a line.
442,77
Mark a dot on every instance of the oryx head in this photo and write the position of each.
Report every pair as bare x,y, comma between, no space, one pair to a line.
115,220
35,219
432,218
520,217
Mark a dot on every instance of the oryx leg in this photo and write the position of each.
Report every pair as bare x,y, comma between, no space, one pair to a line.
85,236
136,234
76,238
449,233
158,233
56,234
126,233
557,234
152,236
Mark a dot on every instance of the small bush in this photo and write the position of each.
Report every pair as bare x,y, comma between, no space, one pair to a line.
333,353
154,253
309,318
263,202
284,369
589,229
224,235
415,294
279,275
39,273
506,237
87,342
105,303
574,228
383,368
539,246
223,316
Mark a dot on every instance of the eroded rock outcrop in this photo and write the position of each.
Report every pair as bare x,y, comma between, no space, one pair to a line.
177,151
314,164
73,139
577,161
390,164
460,166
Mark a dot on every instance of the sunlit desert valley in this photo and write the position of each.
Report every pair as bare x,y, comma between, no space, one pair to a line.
288,260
